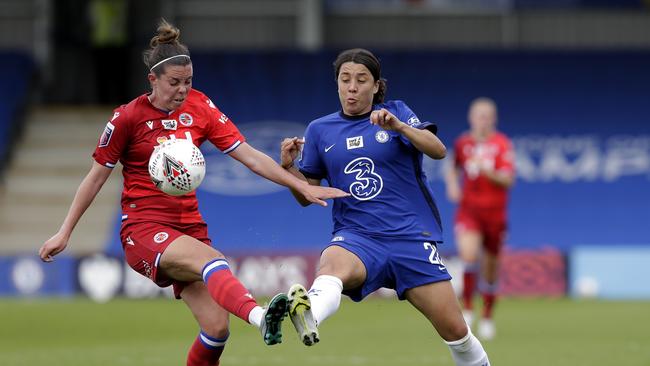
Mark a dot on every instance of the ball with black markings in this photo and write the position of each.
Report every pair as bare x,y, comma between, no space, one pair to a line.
177,167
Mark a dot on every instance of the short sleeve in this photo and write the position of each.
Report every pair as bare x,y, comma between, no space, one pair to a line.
222,132
406,115
505,161
113,140
458,162
310,163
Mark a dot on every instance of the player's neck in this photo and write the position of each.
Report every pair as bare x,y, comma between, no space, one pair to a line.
355,117
481,135
152,100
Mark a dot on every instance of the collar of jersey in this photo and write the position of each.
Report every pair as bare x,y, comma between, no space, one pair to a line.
354,118
158,109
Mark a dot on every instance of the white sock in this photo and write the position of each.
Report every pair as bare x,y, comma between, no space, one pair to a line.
468,351
325,297
255,316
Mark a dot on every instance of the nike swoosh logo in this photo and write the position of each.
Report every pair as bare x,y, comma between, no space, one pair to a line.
329,147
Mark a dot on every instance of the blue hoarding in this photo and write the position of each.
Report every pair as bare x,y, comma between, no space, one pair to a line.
578,121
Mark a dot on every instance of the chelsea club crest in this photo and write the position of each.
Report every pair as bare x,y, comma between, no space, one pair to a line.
381,136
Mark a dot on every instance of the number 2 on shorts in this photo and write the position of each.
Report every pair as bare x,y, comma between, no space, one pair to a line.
434,257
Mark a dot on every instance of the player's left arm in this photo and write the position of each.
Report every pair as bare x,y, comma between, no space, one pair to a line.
265,166
422,139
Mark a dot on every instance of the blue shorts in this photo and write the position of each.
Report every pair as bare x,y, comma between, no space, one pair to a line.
399,264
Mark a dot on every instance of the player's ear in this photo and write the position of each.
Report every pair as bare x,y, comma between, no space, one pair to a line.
151,77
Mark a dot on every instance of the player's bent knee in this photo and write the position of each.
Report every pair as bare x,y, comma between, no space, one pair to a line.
216,328
454,331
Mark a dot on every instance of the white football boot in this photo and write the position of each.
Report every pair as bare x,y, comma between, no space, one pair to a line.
486,329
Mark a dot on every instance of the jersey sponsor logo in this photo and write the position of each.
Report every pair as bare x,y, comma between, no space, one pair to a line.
329,147
160,237
381,136
479,157
169,124
368,183
106,135
354,142
150,125
186,119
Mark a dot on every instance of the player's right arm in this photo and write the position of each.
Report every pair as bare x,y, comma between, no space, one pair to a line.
86,193
289,150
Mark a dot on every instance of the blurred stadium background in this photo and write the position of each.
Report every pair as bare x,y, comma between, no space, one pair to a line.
571,79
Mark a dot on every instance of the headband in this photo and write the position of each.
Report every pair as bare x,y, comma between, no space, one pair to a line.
165,60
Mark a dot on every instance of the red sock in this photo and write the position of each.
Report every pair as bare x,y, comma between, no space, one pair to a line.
489,293
206,351
488,304
469,284
226,289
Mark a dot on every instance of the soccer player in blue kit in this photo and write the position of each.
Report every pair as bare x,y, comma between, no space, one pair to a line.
386,233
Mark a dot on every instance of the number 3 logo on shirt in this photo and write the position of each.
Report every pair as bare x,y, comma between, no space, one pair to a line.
368,184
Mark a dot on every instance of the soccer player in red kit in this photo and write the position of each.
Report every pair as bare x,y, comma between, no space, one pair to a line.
164,237
486,160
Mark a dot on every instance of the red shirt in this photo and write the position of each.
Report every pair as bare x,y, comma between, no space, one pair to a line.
130,137
496,154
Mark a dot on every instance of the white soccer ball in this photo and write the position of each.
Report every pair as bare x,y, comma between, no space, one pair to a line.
177,167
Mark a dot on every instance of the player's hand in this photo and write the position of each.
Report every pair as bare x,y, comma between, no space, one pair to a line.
386,120
317,194
52,247
289,150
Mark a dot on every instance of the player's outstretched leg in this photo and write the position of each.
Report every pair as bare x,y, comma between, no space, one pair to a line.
271,326
301,315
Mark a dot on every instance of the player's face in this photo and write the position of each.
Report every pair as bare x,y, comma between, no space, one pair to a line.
170,90
482,118
357,87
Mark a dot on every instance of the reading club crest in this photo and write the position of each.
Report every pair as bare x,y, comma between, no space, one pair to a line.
160,237
185,119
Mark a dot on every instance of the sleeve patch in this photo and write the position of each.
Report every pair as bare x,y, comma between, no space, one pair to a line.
106,135
413,121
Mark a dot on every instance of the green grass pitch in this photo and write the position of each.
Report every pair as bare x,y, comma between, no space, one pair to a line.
377,332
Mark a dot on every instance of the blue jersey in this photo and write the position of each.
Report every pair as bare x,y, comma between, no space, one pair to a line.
381,170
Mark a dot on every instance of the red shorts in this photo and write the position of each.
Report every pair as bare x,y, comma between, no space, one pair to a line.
145,242
490,223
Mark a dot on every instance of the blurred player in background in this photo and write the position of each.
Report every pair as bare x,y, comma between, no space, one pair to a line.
485,159
386,233
164,237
